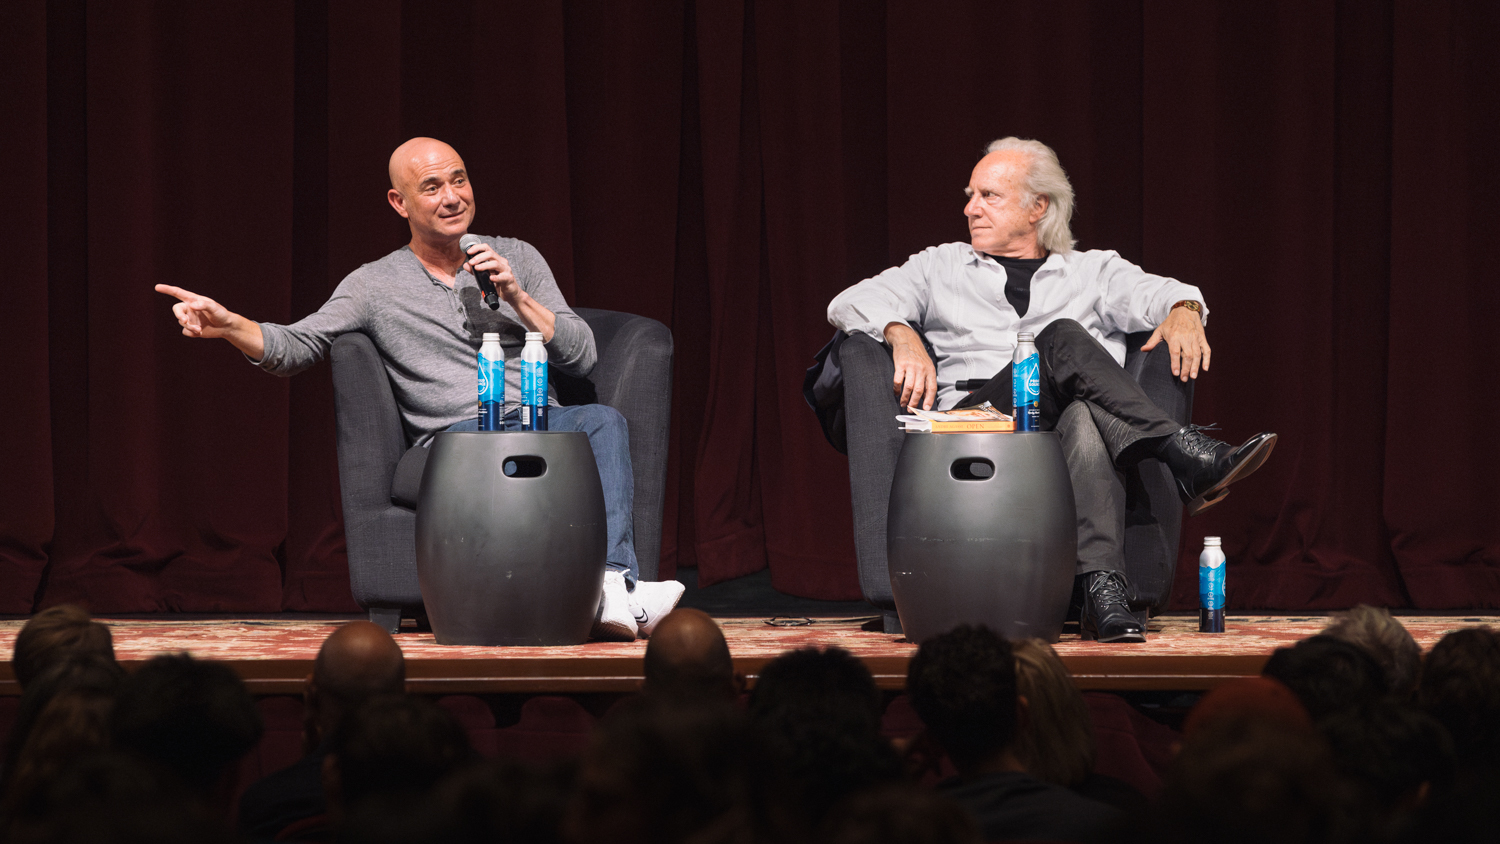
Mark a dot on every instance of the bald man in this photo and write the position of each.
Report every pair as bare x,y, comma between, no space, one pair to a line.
357,662
688,658
423,309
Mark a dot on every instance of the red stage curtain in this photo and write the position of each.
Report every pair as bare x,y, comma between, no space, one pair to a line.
1321,169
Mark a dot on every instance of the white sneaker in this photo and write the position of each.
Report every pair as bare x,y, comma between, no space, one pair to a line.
614,622
650,603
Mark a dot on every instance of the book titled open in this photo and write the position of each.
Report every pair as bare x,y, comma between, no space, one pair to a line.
983,419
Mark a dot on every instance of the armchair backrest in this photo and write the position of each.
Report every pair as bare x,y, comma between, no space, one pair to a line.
370,436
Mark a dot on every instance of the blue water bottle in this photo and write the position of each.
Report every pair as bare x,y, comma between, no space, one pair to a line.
1025,384
534,383
491,384
1211,586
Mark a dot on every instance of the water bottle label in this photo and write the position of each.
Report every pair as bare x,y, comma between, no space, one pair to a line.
491,393
534,395
491,379
1211,586
1026,391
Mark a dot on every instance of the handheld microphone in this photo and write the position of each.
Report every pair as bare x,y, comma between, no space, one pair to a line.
487,287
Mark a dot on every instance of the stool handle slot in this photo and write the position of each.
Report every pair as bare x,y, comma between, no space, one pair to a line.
524,466
972,469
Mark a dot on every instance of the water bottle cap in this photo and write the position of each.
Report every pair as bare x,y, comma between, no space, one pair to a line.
1210,540
534,335
491,336
1025,337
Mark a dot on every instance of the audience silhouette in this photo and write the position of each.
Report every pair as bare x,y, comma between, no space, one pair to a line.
1350,735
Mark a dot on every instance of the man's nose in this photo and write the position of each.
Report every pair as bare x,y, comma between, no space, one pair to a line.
971,208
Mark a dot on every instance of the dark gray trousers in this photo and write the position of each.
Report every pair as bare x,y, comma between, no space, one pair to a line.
1107,424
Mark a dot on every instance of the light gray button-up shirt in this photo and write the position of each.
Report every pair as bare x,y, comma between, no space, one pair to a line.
955,297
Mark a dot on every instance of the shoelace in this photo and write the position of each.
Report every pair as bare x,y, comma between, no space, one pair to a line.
1195,443
1109,589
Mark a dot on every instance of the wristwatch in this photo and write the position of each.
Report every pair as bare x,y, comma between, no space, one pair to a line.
1190,304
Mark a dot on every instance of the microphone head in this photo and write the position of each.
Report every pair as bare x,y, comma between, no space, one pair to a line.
468,241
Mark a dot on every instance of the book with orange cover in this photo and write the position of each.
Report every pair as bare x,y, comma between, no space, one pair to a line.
984,419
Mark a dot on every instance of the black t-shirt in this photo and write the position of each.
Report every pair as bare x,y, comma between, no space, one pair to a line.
1011,805
1018,273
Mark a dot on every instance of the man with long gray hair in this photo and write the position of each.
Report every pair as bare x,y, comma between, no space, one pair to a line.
1018,273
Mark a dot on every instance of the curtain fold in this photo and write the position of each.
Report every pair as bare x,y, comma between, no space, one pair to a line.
1320,169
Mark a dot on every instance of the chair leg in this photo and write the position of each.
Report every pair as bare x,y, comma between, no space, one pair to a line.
389,618
892,622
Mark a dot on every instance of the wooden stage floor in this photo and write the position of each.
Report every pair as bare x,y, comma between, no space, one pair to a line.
275,654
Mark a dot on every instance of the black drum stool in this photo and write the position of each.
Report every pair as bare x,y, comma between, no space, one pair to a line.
982,529
511,538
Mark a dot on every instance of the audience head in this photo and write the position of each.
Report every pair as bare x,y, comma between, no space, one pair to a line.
963,685
1327,674
1259,698
63,716
53,633
192,717
356,662
687,657
505,800
900,813
821,713
1385,639
1255,780
114,798
661,770
1056,744
1460,687
392,749
1396,753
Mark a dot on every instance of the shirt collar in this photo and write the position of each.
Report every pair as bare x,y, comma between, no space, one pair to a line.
1054,260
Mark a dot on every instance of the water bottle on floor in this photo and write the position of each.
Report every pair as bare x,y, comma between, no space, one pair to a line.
491,383
1025,384
534,383
1211,586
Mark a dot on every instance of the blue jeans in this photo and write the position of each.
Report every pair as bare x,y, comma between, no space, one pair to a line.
610,439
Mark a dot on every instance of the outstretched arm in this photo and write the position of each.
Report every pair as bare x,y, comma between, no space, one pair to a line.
201,316
1183,331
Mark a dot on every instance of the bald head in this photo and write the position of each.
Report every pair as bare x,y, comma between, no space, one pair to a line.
409,158
688,657
430,188
360,660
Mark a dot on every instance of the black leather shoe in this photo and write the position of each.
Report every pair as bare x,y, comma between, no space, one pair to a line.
1106,614
1205,467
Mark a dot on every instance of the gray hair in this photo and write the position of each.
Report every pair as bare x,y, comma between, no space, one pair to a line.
1383,637
1045,177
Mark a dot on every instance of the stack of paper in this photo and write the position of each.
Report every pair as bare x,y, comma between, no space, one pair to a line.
970,420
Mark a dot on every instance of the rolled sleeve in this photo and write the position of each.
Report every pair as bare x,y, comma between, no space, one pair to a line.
571,348
1135,300
289,349
900,294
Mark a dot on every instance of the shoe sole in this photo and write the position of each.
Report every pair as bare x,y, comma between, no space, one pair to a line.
1123,638
608,631
1216,493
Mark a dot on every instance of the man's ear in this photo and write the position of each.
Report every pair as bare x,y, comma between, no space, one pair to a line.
1023,713
1038,208
397,201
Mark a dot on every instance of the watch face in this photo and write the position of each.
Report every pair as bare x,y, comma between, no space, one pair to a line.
1190,305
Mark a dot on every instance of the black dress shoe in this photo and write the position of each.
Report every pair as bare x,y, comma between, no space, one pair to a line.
1205,467
1106,614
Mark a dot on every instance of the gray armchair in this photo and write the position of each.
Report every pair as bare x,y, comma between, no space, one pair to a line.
379,475
1153,517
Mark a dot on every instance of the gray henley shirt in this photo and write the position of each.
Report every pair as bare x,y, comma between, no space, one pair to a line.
428,334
